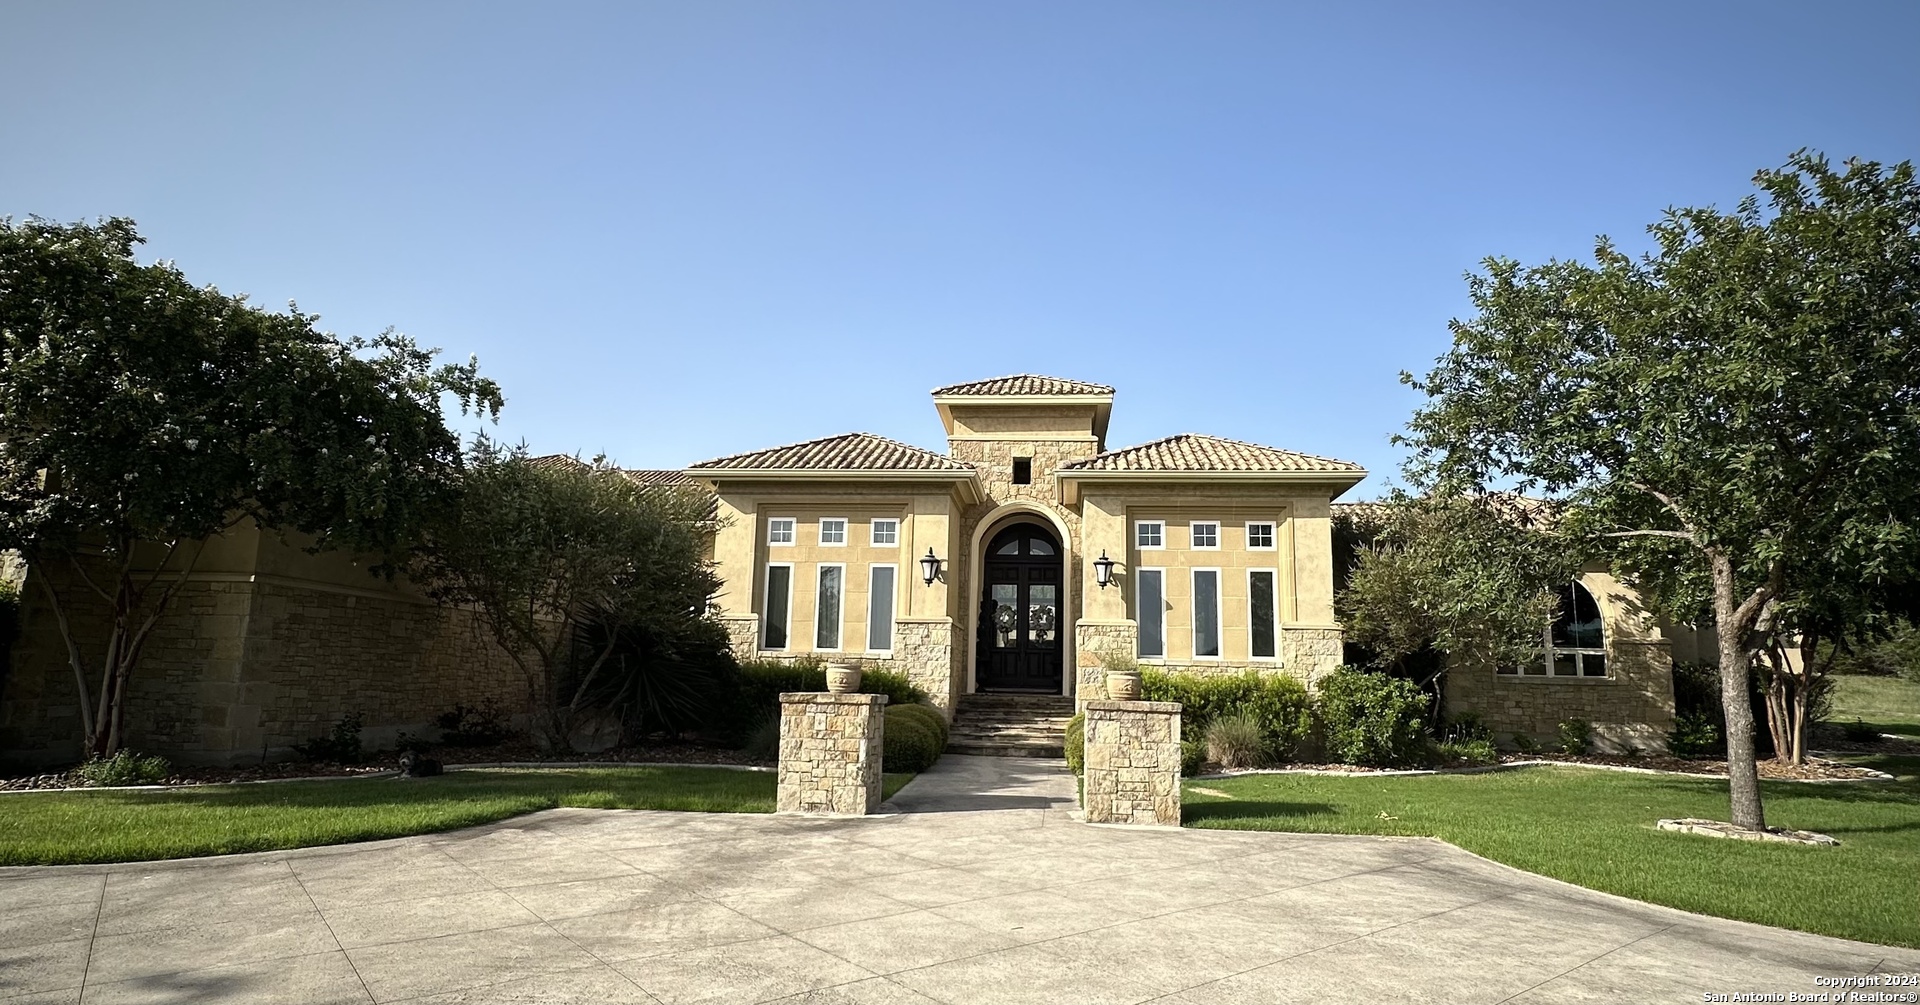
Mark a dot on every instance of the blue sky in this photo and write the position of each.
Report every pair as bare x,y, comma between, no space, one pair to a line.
675,231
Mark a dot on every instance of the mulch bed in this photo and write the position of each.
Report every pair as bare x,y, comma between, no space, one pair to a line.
1815,768
518,749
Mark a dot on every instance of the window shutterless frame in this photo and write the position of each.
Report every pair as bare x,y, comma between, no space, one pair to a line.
833,532
830,607
781,531
1150,611
1206,614
776,617
1150,535
1260,535
1263,614
884,533
1203,535
881,580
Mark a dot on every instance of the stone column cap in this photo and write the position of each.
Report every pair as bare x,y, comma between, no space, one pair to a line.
829,698
1109,705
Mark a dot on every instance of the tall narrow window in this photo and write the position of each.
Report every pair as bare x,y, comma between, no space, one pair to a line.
1260,619
1023,471
1150,610
1206,613
826,607
773,634
880,609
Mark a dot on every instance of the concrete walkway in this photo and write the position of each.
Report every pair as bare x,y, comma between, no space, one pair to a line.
978,888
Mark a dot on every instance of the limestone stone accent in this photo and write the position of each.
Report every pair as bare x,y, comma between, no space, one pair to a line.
1133,762
923,650
1093,640
743,635
1311,653
1632,707
830,752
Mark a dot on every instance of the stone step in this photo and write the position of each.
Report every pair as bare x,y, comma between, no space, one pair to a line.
1006,749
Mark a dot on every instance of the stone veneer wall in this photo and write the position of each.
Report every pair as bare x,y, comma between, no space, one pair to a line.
743,635
1092,640
242,668
1311,653
1632,708
830,752
1133,762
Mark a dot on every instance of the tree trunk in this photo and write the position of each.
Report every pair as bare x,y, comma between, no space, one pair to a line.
1731,624
1779,713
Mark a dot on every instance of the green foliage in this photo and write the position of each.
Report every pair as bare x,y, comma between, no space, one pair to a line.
1077,743
1465,728
9,624
480,725
926,715
909,745
1858,731
895,685
1278,703
1576,735
1193,756
1236,741
1118,662
1895,655
1371,719
753,692
341,745
125,767
762,739
1696,733
1467,752
661,675
1523,743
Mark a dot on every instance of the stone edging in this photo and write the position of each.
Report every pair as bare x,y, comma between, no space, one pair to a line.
394,774
1876,776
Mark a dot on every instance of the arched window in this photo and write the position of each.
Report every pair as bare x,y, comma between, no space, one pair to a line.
1575,644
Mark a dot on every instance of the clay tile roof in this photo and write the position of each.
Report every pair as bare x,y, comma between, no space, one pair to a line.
846,452
1191,452
1025,383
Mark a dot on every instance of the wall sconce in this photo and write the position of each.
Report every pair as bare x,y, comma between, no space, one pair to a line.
1103,569
929,567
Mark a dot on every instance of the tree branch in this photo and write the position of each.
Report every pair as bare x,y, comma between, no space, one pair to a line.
1679,534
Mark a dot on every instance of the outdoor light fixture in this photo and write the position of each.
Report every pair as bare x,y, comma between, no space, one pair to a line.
1103,569
930,567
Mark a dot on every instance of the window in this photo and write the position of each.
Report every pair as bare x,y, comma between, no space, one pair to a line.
780,530
886,533
826,607
880,608
1206,536
1206,614
1260,613
833,531
1150,534
773,630
1150,610
1259,537
1023,471
1575,644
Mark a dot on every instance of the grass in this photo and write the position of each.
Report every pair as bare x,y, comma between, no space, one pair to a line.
1892,703
1595,829
49,828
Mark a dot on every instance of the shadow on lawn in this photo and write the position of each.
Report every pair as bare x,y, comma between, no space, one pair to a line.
1252,809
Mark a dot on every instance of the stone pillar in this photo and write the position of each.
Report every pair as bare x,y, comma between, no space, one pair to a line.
1133,762
830,746
743,635
1093,640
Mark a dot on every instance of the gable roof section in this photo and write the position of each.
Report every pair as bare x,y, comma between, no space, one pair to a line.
1023,384
848,453
1192,453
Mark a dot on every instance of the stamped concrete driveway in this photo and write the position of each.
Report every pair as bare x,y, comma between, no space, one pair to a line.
981,889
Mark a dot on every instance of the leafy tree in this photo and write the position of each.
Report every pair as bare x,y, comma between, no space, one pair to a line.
141,415
553,553
1736,408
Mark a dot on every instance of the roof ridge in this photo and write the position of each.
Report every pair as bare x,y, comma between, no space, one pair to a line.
837,439
1077,387
1149,446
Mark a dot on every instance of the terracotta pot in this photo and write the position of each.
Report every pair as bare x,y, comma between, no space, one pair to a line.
1123,685
842,679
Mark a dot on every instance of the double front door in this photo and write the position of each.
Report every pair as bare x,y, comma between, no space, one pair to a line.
1021,616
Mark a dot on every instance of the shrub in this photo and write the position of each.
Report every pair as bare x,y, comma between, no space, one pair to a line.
480,725
1193,756
1236,741
1695,734
927,716
754,691
762,742
1465,728
1372,719
895,685
126,767
1277,703
1576,735
910,746
1466,752
1858,731
341,745
1523,743
1077,743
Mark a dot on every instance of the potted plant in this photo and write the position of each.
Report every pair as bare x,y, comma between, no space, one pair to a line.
1123,677
843,679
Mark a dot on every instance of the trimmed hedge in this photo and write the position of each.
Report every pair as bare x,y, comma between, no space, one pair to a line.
1278,703
754,692
1077,742
1371,718
910,746
927,716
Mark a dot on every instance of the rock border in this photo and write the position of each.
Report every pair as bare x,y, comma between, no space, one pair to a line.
1722,829
394,774
1875,775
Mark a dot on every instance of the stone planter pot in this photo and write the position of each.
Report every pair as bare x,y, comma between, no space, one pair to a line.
1123,685
842,679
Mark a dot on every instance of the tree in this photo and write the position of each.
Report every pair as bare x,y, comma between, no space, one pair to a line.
141,415
553,552
1737,406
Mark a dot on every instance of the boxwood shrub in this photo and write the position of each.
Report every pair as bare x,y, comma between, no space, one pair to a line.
909,744
1278,703
1077,742
1372,719
927,716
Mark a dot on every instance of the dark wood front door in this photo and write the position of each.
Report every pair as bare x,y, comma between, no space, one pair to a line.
1021,613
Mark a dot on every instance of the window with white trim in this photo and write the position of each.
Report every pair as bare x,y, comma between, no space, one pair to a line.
1150,534
1205,535
1575,644
1150,611
827,606
1206,614
1262,614
1260,536
880,580
886,533
778,606
833,531
780,531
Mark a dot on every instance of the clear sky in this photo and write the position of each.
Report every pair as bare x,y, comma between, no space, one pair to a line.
675,231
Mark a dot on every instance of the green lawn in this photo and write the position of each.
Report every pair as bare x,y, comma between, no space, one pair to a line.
1892,703
1595,828
46,828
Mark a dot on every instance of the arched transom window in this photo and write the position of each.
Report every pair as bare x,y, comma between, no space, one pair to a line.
1575,644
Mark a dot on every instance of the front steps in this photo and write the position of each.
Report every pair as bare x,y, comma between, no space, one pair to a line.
1010,725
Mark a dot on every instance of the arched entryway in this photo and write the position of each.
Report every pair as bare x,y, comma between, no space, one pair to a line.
1021,614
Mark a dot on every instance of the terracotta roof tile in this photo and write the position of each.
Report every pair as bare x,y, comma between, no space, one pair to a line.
846,452
1025,383
1191,452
